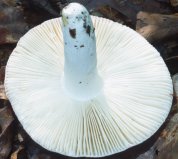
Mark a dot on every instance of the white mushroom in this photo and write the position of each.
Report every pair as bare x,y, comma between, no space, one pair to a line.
79,97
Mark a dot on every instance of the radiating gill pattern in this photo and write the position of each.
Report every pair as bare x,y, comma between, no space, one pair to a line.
136,97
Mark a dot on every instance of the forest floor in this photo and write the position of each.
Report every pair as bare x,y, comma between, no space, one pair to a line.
156,20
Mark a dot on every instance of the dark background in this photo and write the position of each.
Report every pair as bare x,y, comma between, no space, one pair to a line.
156,20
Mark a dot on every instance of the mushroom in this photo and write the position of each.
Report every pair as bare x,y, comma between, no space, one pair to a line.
86,97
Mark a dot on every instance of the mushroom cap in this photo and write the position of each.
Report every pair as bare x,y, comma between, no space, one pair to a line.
136,96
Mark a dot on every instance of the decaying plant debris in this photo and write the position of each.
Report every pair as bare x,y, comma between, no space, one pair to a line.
6,130
2,90
12,23
159,17
157,27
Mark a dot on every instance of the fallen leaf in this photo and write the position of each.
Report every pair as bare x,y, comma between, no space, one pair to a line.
111,14
2,90
129,8
14,155
175,83
157,27
13,24
166,145
174,3
6,132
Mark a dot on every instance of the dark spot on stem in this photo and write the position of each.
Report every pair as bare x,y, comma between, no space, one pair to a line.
88,30
78,18
81,46
75,45
85,23
93,30
72,33
80,82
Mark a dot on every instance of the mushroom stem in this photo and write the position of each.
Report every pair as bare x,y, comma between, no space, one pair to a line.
81,79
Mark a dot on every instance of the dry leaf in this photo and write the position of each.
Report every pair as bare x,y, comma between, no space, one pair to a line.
166,145
157,27
6,132
175,83
174,3
2,90
14,155
128,8
13,24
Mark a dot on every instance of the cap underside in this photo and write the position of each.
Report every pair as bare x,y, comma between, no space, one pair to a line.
136,96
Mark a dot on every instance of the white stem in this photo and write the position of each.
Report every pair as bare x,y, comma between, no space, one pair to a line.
81,79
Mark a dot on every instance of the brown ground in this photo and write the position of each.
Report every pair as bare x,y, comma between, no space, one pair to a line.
156,20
